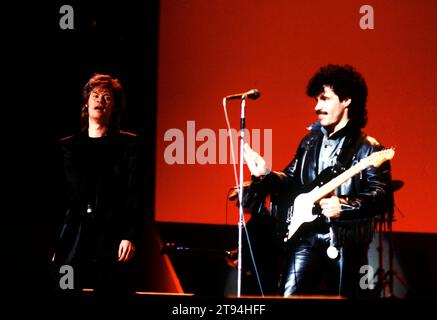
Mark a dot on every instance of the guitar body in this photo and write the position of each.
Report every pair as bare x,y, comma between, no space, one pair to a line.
305,200
328,180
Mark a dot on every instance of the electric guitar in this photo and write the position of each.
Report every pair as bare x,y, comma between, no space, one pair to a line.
302,208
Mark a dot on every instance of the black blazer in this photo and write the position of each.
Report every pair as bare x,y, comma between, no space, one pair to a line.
99,186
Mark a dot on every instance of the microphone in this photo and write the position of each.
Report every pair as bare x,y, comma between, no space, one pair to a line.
251,94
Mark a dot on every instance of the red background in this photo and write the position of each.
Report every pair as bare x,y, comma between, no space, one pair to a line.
208,49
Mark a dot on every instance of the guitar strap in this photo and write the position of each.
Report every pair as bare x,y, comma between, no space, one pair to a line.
350,146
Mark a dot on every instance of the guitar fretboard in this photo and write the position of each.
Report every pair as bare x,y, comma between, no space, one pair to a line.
319,193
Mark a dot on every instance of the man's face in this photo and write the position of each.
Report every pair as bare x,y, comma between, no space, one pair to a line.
331,112
100,105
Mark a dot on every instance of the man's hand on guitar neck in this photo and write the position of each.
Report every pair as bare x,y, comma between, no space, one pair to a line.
331,207
257,165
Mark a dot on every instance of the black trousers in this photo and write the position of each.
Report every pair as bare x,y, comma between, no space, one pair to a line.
309,270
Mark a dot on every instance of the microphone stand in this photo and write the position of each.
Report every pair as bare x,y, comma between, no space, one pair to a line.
240,196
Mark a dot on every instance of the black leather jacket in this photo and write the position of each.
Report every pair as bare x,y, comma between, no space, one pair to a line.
364,196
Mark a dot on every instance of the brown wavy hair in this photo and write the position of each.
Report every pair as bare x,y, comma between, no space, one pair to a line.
108,82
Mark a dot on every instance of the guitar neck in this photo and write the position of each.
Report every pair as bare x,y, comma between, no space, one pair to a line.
326,189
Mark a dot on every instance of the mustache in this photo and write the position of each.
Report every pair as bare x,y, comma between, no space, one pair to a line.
321,112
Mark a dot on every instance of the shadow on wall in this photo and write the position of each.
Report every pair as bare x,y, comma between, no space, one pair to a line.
198,253
154,271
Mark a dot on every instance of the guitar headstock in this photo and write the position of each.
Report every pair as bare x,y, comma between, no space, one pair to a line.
379,157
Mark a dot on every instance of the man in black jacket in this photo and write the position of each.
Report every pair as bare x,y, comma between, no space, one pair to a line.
325,253
99,185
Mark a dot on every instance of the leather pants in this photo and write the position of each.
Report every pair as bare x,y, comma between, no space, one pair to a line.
309,271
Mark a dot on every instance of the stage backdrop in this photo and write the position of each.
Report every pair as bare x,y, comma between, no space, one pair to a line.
209,49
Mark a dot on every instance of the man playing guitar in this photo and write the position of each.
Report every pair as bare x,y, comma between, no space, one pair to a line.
337,183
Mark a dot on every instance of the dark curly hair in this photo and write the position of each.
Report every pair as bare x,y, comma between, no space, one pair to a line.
346,82
108,82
